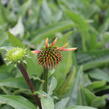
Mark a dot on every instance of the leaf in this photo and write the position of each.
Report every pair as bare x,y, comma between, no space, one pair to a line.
49,31
46,12
99,102
52,85
24,8
3,38
62,103
76,87
82,26
96,63
99,75
90,99
32,65
96,84
6,107
85,96
67,84
46,101
18,29
4,74
14,41
16,102
81,107
14,83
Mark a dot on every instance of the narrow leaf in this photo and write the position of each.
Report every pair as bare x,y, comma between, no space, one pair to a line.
14,41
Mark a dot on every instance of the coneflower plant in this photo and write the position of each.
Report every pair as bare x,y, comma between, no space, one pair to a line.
49,57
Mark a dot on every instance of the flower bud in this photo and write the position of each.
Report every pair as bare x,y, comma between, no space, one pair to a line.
15,55
50,56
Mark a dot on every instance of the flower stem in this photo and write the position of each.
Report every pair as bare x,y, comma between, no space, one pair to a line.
45,78
29,83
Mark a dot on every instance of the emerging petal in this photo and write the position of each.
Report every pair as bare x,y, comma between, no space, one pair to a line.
67,49
36,51
54,42
46,43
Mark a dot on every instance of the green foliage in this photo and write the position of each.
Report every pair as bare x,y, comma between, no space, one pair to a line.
81,107
14,41
81,80
16,102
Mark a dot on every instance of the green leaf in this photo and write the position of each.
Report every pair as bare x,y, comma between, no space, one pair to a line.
6,107
52,85
46,12
96,84
96,63
81,107
62,103
76,87
82,26
49,31
16,102
99,75
24,8
67,84
4,74
14,41
90,99
32,65
85,96
14,83
18,29
99,102
46,101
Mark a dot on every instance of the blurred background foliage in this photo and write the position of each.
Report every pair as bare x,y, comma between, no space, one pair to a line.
81,80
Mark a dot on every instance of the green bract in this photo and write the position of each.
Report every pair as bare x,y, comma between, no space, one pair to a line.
15,55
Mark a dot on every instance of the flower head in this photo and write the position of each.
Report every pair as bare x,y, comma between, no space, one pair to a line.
50,56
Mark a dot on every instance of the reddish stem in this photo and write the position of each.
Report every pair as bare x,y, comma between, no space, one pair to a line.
30,84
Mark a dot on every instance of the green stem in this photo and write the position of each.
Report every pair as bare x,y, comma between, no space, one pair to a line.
45,78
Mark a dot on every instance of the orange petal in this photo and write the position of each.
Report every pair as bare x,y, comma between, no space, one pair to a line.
67,49
36,51
46,43
54,42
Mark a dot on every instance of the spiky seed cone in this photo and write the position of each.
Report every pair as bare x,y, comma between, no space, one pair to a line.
49,57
